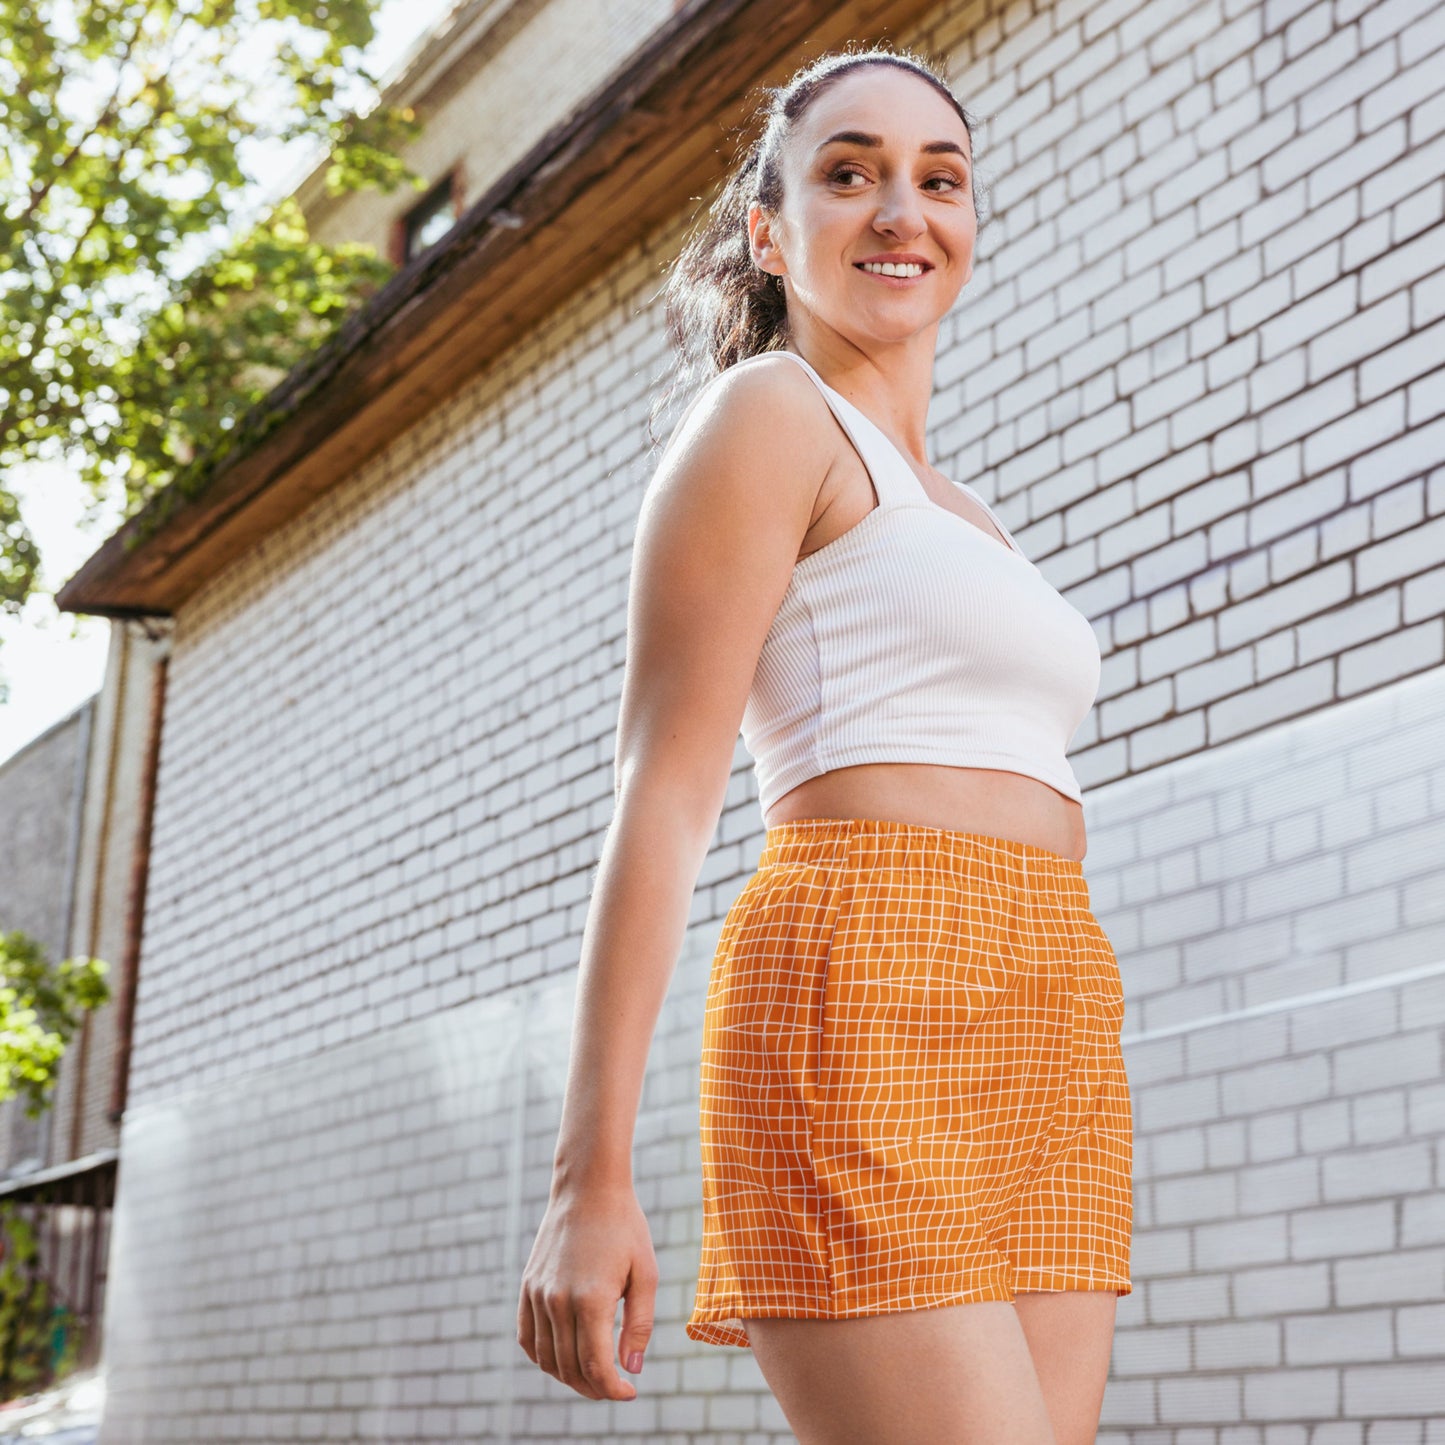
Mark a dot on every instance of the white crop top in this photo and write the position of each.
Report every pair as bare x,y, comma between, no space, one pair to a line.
916,637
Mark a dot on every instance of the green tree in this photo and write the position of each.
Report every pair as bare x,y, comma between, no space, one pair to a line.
40,1008
39,1335
143,315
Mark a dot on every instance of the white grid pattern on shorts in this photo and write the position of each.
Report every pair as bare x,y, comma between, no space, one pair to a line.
912,1091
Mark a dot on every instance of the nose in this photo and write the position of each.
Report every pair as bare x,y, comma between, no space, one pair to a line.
900,211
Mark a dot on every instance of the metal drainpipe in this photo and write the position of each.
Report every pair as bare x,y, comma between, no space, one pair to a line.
136,900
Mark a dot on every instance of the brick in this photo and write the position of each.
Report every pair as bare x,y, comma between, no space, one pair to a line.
1414,649
1404,1275
1405,263
1371,1173
1413,169
1402,1388
1379,422
1407,1058
1378,22
1238,1345
1202,1399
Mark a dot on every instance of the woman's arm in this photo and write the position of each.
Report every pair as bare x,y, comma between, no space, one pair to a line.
720,528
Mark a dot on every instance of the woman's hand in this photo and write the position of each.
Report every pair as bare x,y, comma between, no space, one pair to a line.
592,1249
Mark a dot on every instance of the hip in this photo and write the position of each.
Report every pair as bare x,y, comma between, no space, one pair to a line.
912,926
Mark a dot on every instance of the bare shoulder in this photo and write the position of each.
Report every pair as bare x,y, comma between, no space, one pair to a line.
718,536
761,425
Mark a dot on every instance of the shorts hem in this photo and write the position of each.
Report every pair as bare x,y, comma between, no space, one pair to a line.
713,1329
1042,1280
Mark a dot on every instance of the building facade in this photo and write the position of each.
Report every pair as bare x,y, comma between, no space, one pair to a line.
1198,373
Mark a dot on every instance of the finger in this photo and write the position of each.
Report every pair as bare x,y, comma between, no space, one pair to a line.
564,1335
594,1353
542,1333
639,1309
526,1325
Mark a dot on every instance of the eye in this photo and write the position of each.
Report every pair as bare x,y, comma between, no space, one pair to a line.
953,181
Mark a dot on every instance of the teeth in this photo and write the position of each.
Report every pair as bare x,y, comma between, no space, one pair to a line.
890,268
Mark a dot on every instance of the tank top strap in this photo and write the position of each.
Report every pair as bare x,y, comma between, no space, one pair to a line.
894,480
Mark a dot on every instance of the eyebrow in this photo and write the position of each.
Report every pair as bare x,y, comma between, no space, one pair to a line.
863,138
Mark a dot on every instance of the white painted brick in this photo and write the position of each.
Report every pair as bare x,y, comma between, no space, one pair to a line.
1274,655
1363,336
1374,68
1388,18
1238,1346
1196,1298
1400,556
1367,240
1403,265
1373,616
1424,400
1401,1276
1422,1220
1414,169
1376,1391
1419,1331
1412,650
1410,1057
1316,262
1374,425
1373,1173
1309,318
1372,155
1282,377
1253,615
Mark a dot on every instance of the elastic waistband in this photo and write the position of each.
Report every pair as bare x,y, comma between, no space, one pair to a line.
867,842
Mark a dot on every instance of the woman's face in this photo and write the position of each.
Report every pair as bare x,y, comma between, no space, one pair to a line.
880,165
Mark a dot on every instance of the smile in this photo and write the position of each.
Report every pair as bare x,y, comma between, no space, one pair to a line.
902,270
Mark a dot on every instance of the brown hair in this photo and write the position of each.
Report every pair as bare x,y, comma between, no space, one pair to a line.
720,308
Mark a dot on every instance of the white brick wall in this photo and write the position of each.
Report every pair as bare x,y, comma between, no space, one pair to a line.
1276,905
1194,370
1205,345
332,1249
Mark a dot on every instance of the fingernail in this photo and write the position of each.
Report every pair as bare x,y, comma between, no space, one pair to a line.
634,1362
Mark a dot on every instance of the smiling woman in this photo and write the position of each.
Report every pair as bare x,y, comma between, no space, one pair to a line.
916,1131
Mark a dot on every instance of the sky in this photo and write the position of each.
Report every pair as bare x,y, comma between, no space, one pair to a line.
52,661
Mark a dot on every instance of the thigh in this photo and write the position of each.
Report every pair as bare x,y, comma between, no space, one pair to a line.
947,1375
1070,1335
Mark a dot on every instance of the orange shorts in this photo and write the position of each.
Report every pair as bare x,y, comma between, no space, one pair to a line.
912,1088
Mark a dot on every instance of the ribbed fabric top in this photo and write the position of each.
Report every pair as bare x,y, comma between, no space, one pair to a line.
917,637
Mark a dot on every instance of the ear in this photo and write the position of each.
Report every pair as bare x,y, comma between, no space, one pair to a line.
766,254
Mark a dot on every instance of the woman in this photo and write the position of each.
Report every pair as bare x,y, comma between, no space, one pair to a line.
916,1128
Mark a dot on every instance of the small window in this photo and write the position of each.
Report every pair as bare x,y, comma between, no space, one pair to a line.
430,219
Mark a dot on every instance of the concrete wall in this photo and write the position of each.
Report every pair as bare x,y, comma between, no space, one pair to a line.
39,787
1193,370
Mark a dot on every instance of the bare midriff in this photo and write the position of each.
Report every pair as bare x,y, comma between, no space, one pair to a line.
968,800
